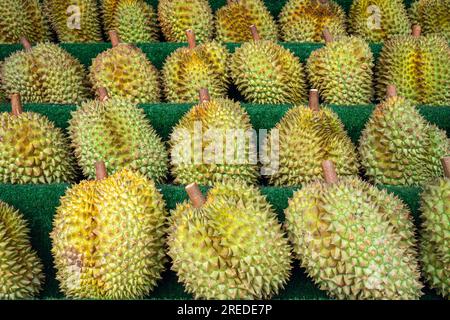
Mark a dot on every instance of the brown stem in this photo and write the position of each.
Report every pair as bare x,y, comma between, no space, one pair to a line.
16,104
391,91
114,36
255,33
100,170
195,195
25,43
329,172
191,38
416,31
327,36
314,100
204,95
102,94
446,165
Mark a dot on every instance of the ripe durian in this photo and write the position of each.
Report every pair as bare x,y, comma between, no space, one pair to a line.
74,20
108,237
187,70
177,16
354,240
32,149
435,237
433,16
265,72
418,66
378,20
304,20
399,147
230,246
307,136
342,70
234,19
116,131
214,123
125,72
22,18
45,74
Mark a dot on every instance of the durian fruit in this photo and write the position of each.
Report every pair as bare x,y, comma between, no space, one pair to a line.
399,147
265,72
108,237
418,66
22,18
213,143
378,20
435,236
21,274
230,246
433,16
116,131
234,19
45,73
177,16
32,149
108,9
74,20
304,20
354,240
187,70
307,136
342,70
124,71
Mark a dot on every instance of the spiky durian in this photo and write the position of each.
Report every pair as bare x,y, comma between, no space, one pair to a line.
32,150
108,8
234,20
265,72
433,16
45,74
230,246
342,71
125,72
378,20
350,243
74,20
215,123
108,237
187,70
21,274
177,16
399,147
22,18
306,136
304,20
418,66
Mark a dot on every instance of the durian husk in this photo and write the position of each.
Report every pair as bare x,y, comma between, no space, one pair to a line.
432,16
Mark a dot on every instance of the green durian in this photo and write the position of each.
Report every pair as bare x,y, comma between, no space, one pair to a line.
108,237
74,20
21,275
108,9
233,21
307,136
433,16
351,243
304,20
45,73
177,16
32,149
378,20
230,246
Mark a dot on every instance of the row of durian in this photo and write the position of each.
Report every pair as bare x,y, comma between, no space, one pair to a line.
137,21
110,238
262,71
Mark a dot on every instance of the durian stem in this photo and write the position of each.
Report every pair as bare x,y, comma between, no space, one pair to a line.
100,170
115,40
195,195
314,100
204,95
16,104
255,33
416,31
446,165
329,172
102,94
25,43
191,38
327,36
391,91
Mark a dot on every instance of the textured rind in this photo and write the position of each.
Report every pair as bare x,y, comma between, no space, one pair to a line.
350,244
393,19
342,71
233,21
21,275
46,74
117,132
305,20
186,71
432,16
126,72
108,238
231,248
177,16
399,147
220,115
108,9
71,26
306,138
417,67
265,72
32,150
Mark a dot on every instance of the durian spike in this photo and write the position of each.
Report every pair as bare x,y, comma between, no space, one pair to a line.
191,38
204,95
391,91
329,172
195,195
255,33
16,104
314,100
416,31
327,36
102,94
446,165
100,170
114,36
25,43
